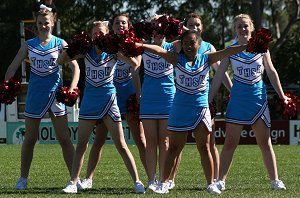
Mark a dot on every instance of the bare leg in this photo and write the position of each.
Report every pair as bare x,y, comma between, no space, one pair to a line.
62,133
137,131
84,130
116,131
214,151
163,143
231,141
175,168
177,141
96,150
202,136
31,135
151,134
262,134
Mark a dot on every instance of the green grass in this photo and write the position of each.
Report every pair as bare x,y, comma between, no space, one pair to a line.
247,177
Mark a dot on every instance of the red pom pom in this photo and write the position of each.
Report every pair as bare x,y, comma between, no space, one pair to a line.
170,27
79,44
133,106
127,44
175,28
290,109
108,43
161,24
65,96
259,41
9,90
143,30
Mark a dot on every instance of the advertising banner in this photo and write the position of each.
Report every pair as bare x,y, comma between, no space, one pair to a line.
282,132
279,133
295,132
16,132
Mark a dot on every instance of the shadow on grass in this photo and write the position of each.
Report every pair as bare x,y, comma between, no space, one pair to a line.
58,191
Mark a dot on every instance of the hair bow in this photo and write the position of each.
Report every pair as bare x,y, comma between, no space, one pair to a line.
103,22
42,6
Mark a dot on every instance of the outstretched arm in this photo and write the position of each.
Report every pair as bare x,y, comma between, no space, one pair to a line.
221,54
13,67
216,82
171,57
273,76
226,80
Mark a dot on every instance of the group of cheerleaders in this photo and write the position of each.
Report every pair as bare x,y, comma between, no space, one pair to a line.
168,108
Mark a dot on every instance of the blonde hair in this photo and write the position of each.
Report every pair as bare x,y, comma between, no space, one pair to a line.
101,24
44,12
245,16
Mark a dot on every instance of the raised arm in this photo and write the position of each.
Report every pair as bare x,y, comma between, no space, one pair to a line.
226,80
216,82
13,67
221,54
273,75
171,57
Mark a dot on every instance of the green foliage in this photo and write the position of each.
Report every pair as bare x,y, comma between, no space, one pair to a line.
247,177
287,58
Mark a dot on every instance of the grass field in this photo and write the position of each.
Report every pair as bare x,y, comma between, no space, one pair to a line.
247,178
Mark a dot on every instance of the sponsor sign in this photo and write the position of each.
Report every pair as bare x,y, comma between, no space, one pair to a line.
16,132
279,133
282,132
295,132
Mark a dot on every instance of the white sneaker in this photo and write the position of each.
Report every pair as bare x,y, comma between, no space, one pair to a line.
21,183
162,188
213,189
139,187
85,184
171,184
278,185
152,185
70,188
220,185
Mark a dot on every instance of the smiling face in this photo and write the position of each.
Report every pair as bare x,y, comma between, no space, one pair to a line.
45,23
243,27
120,23
194,24
190,44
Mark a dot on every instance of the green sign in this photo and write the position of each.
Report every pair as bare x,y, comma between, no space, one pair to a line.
16,132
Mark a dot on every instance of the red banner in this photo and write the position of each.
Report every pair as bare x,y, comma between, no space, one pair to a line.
279,133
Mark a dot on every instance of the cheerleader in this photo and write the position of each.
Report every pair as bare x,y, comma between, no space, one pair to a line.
127,83
157,95
248,102
45,79
189,111
194,22
99,103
